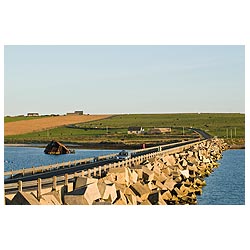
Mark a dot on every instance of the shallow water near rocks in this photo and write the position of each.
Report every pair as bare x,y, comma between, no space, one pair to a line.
226,185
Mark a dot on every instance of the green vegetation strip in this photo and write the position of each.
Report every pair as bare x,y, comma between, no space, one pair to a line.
114,129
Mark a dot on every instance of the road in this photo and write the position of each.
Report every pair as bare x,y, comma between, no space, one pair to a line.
78,168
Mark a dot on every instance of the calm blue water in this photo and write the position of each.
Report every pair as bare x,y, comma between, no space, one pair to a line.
226,185
26,157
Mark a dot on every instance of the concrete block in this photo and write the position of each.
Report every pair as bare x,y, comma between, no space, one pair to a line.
192,160
83,181
23,198
120,187
120,175
131,199
155,198
160,185
107,191
142,190
152,185
83,195
166,195
183,163
138,170
182,191
170,183
185,173
101,203
167,171
156,170
121,199
51,198
169,160
146,202
178,179
133,176
160,177
147,174
7,201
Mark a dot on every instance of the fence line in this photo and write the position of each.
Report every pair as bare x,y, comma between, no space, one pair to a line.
68,164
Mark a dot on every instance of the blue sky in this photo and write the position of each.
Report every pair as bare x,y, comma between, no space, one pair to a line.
124,79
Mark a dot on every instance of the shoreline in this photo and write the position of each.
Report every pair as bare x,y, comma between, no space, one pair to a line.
102,146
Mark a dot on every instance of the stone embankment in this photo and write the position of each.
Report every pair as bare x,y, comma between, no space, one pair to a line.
167,179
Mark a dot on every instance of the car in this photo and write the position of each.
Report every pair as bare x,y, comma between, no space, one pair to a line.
123,155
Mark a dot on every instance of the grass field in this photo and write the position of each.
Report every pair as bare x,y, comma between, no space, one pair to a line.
114,129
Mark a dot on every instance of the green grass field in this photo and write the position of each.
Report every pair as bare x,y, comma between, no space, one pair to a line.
114,129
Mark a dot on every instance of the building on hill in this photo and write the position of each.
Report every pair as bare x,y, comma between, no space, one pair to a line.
135,130
33,114
78,112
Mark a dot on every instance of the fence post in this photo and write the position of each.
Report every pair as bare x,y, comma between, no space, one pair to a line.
94,172
20,186
66,183
39,189
89,172
54,184
23,171
100,171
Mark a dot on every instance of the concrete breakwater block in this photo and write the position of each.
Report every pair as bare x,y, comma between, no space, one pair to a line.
107,191
23,198
83,196
51,198
83,181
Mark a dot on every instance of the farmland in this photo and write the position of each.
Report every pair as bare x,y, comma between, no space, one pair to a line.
113,129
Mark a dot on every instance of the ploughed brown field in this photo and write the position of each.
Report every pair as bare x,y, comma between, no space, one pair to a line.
28,126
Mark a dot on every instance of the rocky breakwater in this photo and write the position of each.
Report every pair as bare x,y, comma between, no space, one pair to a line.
166,179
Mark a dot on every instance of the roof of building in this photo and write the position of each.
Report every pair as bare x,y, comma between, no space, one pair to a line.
135,128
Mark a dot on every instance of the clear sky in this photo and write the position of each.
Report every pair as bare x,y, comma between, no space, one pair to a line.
123,79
